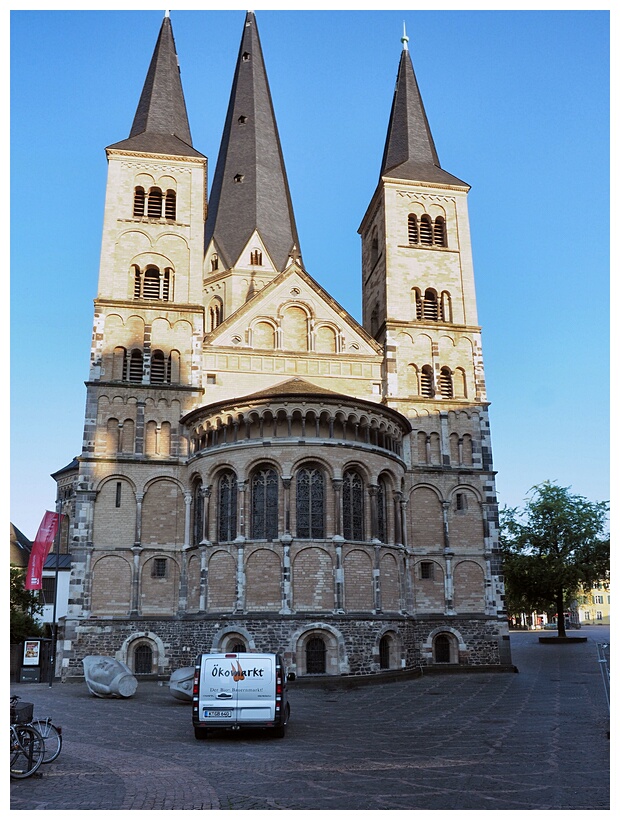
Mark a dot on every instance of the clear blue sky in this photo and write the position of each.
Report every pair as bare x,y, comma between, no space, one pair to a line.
518,106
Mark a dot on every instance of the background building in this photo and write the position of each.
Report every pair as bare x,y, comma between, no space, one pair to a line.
260,471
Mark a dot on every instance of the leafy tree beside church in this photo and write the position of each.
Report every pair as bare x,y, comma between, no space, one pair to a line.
551,547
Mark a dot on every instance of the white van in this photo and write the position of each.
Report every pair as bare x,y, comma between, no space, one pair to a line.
239,690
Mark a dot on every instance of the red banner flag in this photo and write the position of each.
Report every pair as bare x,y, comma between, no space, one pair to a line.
40,550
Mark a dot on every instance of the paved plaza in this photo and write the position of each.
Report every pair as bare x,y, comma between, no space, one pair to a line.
532,740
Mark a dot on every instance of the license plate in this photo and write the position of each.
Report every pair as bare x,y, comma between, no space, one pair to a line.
217,713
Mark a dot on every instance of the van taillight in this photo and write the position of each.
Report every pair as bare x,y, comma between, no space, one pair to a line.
196,682
278,684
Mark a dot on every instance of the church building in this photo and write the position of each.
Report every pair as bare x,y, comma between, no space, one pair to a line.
259,471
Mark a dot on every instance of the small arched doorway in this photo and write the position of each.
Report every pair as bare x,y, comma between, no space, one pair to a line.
316,653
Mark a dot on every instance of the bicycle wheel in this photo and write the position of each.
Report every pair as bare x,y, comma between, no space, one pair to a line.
27,750
51,737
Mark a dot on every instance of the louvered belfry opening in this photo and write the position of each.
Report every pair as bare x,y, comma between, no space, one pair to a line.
426,382
431,308
412,230
171,205
158,368
445,383
426,230
439,232
154,203
139,198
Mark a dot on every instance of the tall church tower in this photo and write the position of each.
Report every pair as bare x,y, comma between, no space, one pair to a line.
419,302
250,234
149,318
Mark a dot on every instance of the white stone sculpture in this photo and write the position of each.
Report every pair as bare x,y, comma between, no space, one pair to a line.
108,678
181,683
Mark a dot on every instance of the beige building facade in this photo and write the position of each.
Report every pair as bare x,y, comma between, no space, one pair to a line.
259,471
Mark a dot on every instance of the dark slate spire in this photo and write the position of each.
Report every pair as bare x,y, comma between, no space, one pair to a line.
161,125
409,148
250,189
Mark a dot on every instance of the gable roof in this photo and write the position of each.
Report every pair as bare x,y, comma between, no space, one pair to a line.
250,188
278,282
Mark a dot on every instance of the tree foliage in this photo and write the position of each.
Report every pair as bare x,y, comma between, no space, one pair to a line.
24,606
551,547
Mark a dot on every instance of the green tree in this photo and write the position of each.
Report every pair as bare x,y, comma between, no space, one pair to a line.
551,547
24,606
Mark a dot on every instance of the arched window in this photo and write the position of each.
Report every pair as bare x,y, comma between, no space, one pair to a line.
445,383
413,231
139,198
353,506
439,232
382,519
446,307
426,382
159,368
265,504
150,284
384,652
198,513
171,205
256,257
374,248
215,314
315,656
417,296
134,367
227,507
310,505
215,262
431,308
143,659
154,203
426,230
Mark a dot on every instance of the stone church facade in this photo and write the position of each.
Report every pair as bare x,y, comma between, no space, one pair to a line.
259,471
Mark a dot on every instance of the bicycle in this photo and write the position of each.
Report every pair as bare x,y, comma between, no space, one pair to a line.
52,738
27,747
51,734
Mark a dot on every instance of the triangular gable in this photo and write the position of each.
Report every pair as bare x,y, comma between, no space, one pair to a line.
294,287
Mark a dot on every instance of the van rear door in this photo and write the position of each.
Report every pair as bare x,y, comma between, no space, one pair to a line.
237,688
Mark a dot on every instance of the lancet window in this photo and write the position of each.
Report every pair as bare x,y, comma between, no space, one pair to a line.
265,504
310,508
353,506
227,507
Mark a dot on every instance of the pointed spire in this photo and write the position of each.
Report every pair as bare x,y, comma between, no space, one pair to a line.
160,124
410,151
250,189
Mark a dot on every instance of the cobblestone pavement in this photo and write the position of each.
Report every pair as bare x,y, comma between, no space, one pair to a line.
493,741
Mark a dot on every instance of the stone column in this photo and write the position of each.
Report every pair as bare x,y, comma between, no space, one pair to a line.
135,582
240,604
339,576
398,521
205,493
286,483
337,485
188,520
373,492
241,508
138,532
449,582
287,589
204,579
403,518
377,579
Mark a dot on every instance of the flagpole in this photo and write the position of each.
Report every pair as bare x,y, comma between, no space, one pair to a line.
54,625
